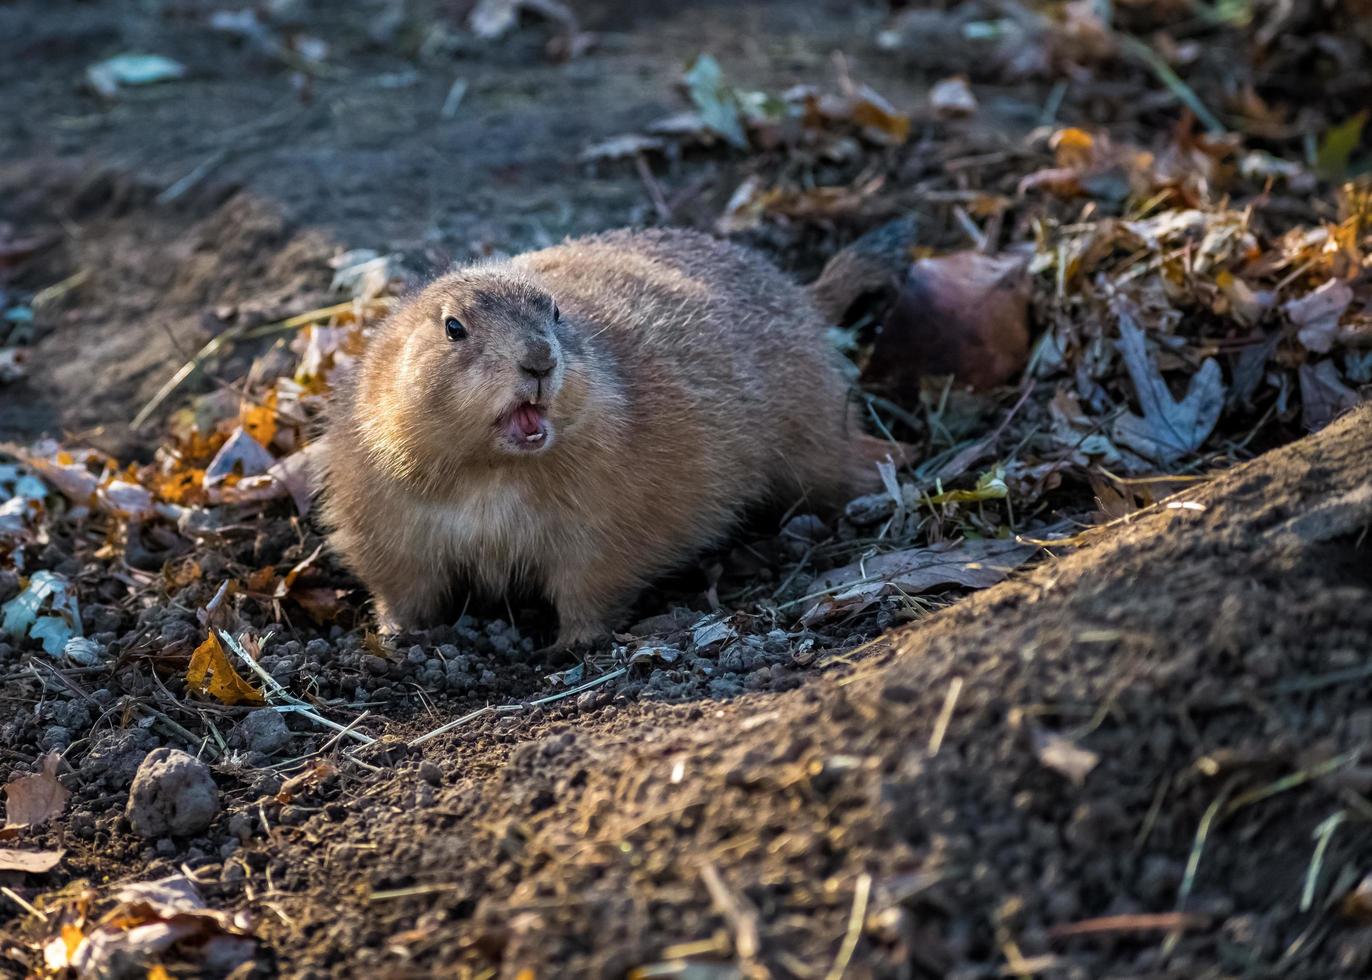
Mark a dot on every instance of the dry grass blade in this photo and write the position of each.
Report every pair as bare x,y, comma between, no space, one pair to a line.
740,913
229,337
1108,925
861,895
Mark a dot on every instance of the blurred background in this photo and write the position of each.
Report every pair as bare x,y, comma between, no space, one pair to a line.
174,167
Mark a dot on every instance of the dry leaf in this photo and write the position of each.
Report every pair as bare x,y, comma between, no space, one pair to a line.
964,314
1062,755
154,916
973,564
1357,904
953,97
58,952
35,799
321,604
1324,396
30,862
298,474
210,673
316,773
1316,315
241,456
1169,429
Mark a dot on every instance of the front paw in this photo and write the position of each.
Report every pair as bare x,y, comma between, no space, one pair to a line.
579,635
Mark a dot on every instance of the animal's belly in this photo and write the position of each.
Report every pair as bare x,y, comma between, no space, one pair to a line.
489,541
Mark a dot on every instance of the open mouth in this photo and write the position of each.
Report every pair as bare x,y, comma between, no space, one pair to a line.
527,426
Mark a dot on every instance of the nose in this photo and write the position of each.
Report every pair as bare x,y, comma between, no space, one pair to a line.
539,360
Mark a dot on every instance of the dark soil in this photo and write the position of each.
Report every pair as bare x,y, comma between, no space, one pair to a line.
785,803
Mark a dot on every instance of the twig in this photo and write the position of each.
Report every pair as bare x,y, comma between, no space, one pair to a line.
293,704
19,900
1111,924
511,709
645,174
741,913
1185,93
226,338
1324,833
454,98
944,716
861,894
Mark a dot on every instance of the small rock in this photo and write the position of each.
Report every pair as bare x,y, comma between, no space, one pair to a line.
263,730
802,533
172,793
431,772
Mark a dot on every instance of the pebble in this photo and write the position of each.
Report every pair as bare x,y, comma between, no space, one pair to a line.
172,793
431,773
263,730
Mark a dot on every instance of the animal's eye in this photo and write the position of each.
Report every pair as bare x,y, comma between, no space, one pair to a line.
453,327
557,314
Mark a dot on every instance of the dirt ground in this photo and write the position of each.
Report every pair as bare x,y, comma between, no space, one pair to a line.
1142,757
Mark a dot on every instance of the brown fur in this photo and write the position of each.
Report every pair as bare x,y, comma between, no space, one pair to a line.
693,381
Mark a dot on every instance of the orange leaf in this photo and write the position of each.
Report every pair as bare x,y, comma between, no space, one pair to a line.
259,421
210,673
263,580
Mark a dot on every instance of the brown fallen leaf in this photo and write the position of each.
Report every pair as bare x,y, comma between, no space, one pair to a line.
1092,166
316,773
35,799
1357,904
972,564
30,862
321,603
964,314
210,673
151,918
1324,396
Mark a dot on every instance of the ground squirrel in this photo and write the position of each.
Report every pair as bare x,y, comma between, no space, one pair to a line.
583,419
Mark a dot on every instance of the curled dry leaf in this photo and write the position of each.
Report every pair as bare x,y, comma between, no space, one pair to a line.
972,564
1317,314
210,673
1091,166
753,201
317,773
33,800
152,918
241,456
964,314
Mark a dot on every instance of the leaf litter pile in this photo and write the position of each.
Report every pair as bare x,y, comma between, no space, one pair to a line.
1075,321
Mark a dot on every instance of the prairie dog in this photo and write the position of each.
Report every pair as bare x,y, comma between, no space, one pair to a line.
582,419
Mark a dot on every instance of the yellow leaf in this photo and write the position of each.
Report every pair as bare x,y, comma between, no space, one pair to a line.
259,421
158,972
210,673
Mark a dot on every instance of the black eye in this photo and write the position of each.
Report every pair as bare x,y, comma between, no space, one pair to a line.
557,314
454,329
